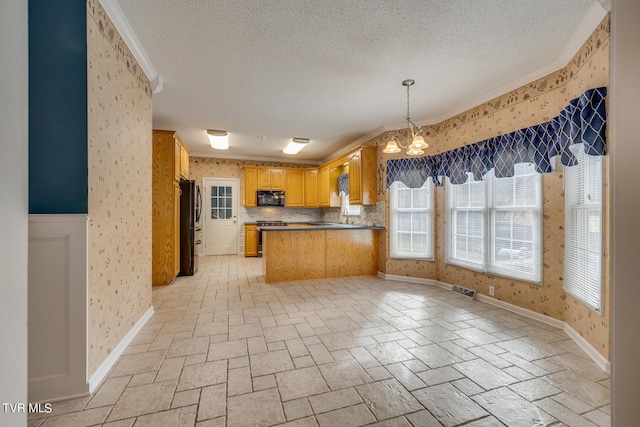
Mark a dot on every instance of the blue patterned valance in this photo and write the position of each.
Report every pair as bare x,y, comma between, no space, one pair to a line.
583,121
343,184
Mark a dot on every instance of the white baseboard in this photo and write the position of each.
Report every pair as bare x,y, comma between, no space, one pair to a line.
597,358
108,363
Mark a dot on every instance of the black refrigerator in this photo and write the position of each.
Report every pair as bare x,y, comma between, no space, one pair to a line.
190,208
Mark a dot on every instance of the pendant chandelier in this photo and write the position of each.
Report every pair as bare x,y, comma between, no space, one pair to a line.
415,143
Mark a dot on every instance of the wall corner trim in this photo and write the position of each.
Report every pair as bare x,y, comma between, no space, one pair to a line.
584,345
102,371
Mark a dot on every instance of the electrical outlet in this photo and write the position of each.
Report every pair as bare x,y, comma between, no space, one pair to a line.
492,290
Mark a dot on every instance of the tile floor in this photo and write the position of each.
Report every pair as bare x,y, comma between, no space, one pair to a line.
223,348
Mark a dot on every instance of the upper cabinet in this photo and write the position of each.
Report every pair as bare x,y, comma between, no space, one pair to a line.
311,188
362,176
317,187
294,188
270,179
250,186
323,186
180,158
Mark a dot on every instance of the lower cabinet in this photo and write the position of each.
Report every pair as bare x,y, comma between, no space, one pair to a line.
250,240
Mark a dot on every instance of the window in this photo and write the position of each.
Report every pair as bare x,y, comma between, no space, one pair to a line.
411,221
349,209
494,225
583,225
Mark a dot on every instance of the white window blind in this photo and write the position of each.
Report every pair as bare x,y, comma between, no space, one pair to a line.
515,205
583,225
411,221
494,225
465,223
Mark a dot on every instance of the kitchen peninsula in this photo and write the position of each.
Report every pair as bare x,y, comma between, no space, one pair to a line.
318,251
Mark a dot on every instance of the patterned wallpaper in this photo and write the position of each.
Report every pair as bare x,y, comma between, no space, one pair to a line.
119,159
528,105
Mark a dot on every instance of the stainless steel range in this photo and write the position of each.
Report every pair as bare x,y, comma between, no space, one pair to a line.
266,223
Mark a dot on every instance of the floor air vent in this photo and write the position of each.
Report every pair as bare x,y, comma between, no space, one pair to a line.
464,291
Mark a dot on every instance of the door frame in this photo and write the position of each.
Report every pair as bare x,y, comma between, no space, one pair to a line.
207,203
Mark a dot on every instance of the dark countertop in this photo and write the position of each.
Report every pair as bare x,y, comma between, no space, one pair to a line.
320,226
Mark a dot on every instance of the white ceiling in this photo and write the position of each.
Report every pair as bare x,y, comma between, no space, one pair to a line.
331,71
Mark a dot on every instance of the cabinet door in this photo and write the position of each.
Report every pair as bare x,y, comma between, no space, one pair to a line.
294,191
311,188
323,187
369,175
355,178
264,179
250,187
250,240
176,158
184,162
277,179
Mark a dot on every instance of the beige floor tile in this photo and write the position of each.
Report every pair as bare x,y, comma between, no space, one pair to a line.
344,374
188,347
213,402
352,416
181,417
300,383
269,363
296,409
484,374
227,350
388,399
280,333
588,391
109,392
138,363
87,417
258,409
333,400
144,399
202,375
449,405
512,409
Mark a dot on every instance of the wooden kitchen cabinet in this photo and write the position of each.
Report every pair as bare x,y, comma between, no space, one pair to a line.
311,188
270,179
294,188
323,186
250,240
184,161
180,158
362,176
165,213
250,187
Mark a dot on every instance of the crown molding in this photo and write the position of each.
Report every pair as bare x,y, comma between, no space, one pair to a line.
115,13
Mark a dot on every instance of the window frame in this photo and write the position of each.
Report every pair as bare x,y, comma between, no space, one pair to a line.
429,228
570,285
488,264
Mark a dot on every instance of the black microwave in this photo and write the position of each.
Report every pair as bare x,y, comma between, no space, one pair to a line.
270,198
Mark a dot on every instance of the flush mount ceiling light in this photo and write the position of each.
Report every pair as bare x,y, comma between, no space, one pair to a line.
415,147
295,145
219,139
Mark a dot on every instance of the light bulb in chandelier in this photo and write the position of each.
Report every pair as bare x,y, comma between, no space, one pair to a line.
418,143
392,147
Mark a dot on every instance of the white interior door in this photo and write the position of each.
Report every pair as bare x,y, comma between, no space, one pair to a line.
221,216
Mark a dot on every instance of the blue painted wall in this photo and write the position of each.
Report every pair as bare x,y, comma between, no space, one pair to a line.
58,170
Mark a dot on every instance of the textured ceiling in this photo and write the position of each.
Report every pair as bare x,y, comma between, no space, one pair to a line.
331,71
